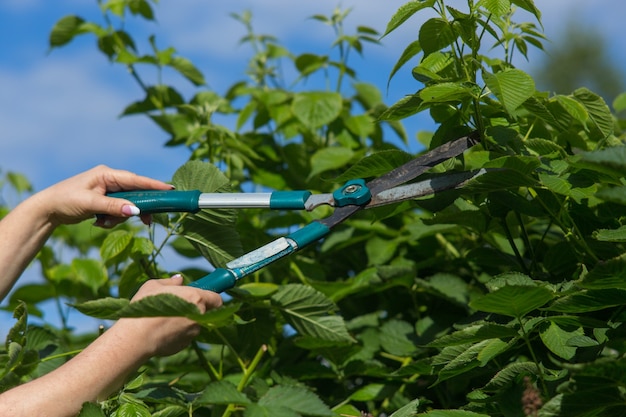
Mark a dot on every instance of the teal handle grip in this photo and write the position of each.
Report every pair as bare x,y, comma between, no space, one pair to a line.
289,200
156,201
217,281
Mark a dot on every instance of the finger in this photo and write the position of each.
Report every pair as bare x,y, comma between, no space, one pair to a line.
118,180
107,222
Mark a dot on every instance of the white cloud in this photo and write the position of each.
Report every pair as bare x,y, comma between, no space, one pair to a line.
61,117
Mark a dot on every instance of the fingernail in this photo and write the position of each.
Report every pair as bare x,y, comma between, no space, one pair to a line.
177,276
128,210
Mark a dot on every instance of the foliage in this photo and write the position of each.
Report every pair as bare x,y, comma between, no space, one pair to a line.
503,298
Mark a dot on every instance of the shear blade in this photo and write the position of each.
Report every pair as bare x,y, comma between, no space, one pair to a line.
423,188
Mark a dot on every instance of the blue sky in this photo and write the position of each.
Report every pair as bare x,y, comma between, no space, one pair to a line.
59,110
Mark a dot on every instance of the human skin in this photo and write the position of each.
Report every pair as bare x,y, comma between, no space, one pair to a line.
104,365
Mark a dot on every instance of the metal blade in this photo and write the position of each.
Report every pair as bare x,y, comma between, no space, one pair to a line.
423,188
405,173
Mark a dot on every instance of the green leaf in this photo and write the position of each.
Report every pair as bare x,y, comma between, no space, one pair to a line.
256,410
474,333
223,393
446,92
409,410
160,305
496,7
65,30
295,398
591,300
511,87
609,274
212,232
510,374
132,410
435,34
19,182
91,410
89,272
573,107
599,113
398,338
187,70
610,235
613,158
308,311
613,195
409,52
403,108
309,63
515,301
316,109
327,159
158,97
556,339
619,103
529,6
375,165
451,413
405,12
115,244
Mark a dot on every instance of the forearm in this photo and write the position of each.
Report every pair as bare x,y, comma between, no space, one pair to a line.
22,234
92,375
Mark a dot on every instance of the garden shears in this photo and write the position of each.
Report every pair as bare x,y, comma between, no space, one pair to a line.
353,196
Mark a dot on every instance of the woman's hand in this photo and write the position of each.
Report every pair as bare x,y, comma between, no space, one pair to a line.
84,195
163,336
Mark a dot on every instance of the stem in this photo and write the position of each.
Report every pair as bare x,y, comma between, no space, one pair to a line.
204,363
526,240
544,387
518,255
61,355
247,374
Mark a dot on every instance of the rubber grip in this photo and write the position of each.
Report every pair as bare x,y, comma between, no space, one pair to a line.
289,200
217,281
156,201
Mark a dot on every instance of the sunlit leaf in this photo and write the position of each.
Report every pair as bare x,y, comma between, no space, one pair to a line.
512,87
330,158
115,244
409,52
89,272
187,70
316,109
598,110
405,12
435,34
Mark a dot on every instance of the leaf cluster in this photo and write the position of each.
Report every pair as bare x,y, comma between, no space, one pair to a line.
503,298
